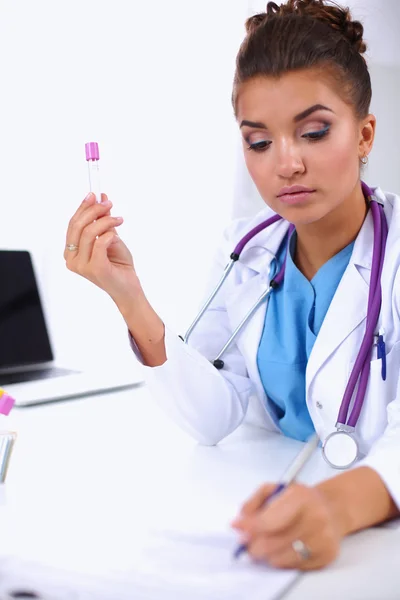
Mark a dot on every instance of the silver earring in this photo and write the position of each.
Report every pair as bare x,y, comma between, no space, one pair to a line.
364,160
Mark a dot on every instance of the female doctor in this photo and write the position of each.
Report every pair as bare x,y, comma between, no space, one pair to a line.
328,330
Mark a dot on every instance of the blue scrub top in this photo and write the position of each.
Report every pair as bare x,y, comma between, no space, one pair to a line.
294,316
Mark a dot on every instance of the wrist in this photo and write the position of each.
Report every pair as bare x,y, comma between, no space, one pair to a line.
338,507
358,499
145,326
131,302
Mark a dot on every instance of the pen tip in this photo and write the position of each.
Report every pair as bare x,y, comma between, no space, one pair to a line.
239,551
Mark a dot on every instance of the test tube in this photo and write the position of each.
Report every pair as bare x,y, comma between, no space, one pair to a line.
7,441
92,157
7,438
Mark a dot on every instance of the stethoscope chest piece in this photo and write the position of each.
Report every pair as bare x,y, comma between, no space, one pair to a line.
340,449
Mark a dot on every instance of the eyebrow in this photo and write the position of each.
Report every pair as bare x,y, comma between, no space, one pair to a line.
296,119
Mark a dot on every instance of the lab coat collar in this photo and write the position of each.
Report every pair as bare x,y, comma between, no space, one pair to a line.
259,252
263,247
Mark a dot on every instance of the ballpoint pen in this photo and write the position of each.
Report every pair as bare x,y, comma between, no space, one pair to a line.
290,475
7,438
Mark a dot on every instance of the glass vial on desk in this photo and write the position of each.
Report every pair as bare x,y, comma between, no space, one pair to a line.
7,438
7,441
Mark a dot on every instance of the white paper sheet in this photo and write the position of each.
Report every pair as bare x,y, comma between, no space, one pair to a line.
201,567
167,566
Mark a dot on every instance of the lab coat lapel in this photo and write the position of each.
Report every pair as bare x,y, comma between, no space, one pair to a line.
349,304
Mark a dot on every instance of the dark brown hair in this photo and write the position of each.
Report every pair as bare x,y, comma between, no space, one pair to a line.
302,34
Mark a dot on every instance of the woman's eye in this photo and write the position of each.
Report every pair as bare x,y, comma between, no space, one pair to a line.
263,145
317,135
259,146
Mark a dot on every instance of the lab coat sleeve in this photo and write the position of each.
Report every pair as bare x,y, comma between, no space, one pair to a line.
384,456
207,403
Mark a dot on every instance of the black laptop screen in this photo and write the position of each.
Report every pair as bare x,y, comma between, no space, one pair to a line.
23,333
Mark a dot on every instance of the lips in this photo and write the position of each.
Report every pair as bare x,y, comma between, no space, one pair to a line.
295,198
294,189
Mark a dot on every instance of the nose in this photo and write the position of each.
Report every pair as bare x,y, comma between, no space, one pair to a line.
288,161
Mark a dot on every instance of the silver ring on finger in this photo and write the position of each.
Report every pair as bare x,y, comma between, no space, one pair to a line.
72,247
302,551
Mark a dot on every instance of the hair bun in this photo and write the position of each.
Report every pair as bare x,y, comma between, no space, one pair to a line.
354,32
335,16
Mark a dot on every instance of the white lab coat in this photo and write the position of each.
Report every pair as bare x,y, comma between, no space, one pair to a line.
209,404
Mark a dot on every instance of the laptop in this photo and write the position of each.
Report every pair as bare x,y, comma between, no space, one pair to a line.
28,370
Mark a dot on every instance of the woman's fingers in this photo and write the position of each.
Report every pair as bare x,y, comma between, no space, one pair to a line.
104,199
300,514
87,213
89,200
257,500
282,554
93,231
268,546
281,512
100,248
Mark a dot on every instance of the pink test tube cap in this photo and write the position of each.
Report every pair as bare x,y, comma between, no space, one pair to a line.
92,151
6,404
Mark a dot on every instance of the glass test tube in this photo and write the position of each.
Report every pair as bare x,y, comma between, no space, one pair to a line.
92,157
7,441
7,438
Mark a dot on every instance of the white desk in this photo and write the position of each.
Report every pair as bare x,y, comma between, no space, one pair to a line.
87,474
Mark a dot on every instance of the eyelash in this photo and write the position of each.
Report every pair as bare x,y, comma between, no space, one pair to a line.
314,136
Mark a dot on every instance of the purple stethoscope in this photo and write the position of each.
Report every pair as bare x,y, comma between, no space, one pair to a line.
340,448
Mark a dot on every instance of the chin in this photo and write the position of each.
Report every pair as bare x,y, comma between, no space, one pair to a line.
299,215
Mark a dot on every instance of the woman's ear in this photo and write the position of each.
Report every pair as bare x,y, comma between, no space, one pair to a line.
367,135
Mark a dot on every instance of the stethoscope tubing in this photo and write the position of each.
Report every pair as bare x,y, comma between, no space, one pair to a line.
361,368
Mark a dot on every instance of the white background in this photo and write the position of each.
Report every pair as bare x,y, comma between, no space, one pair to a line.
151,82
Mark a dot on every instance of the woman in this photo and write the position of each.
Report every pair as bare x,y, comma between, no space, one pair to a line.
301,98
